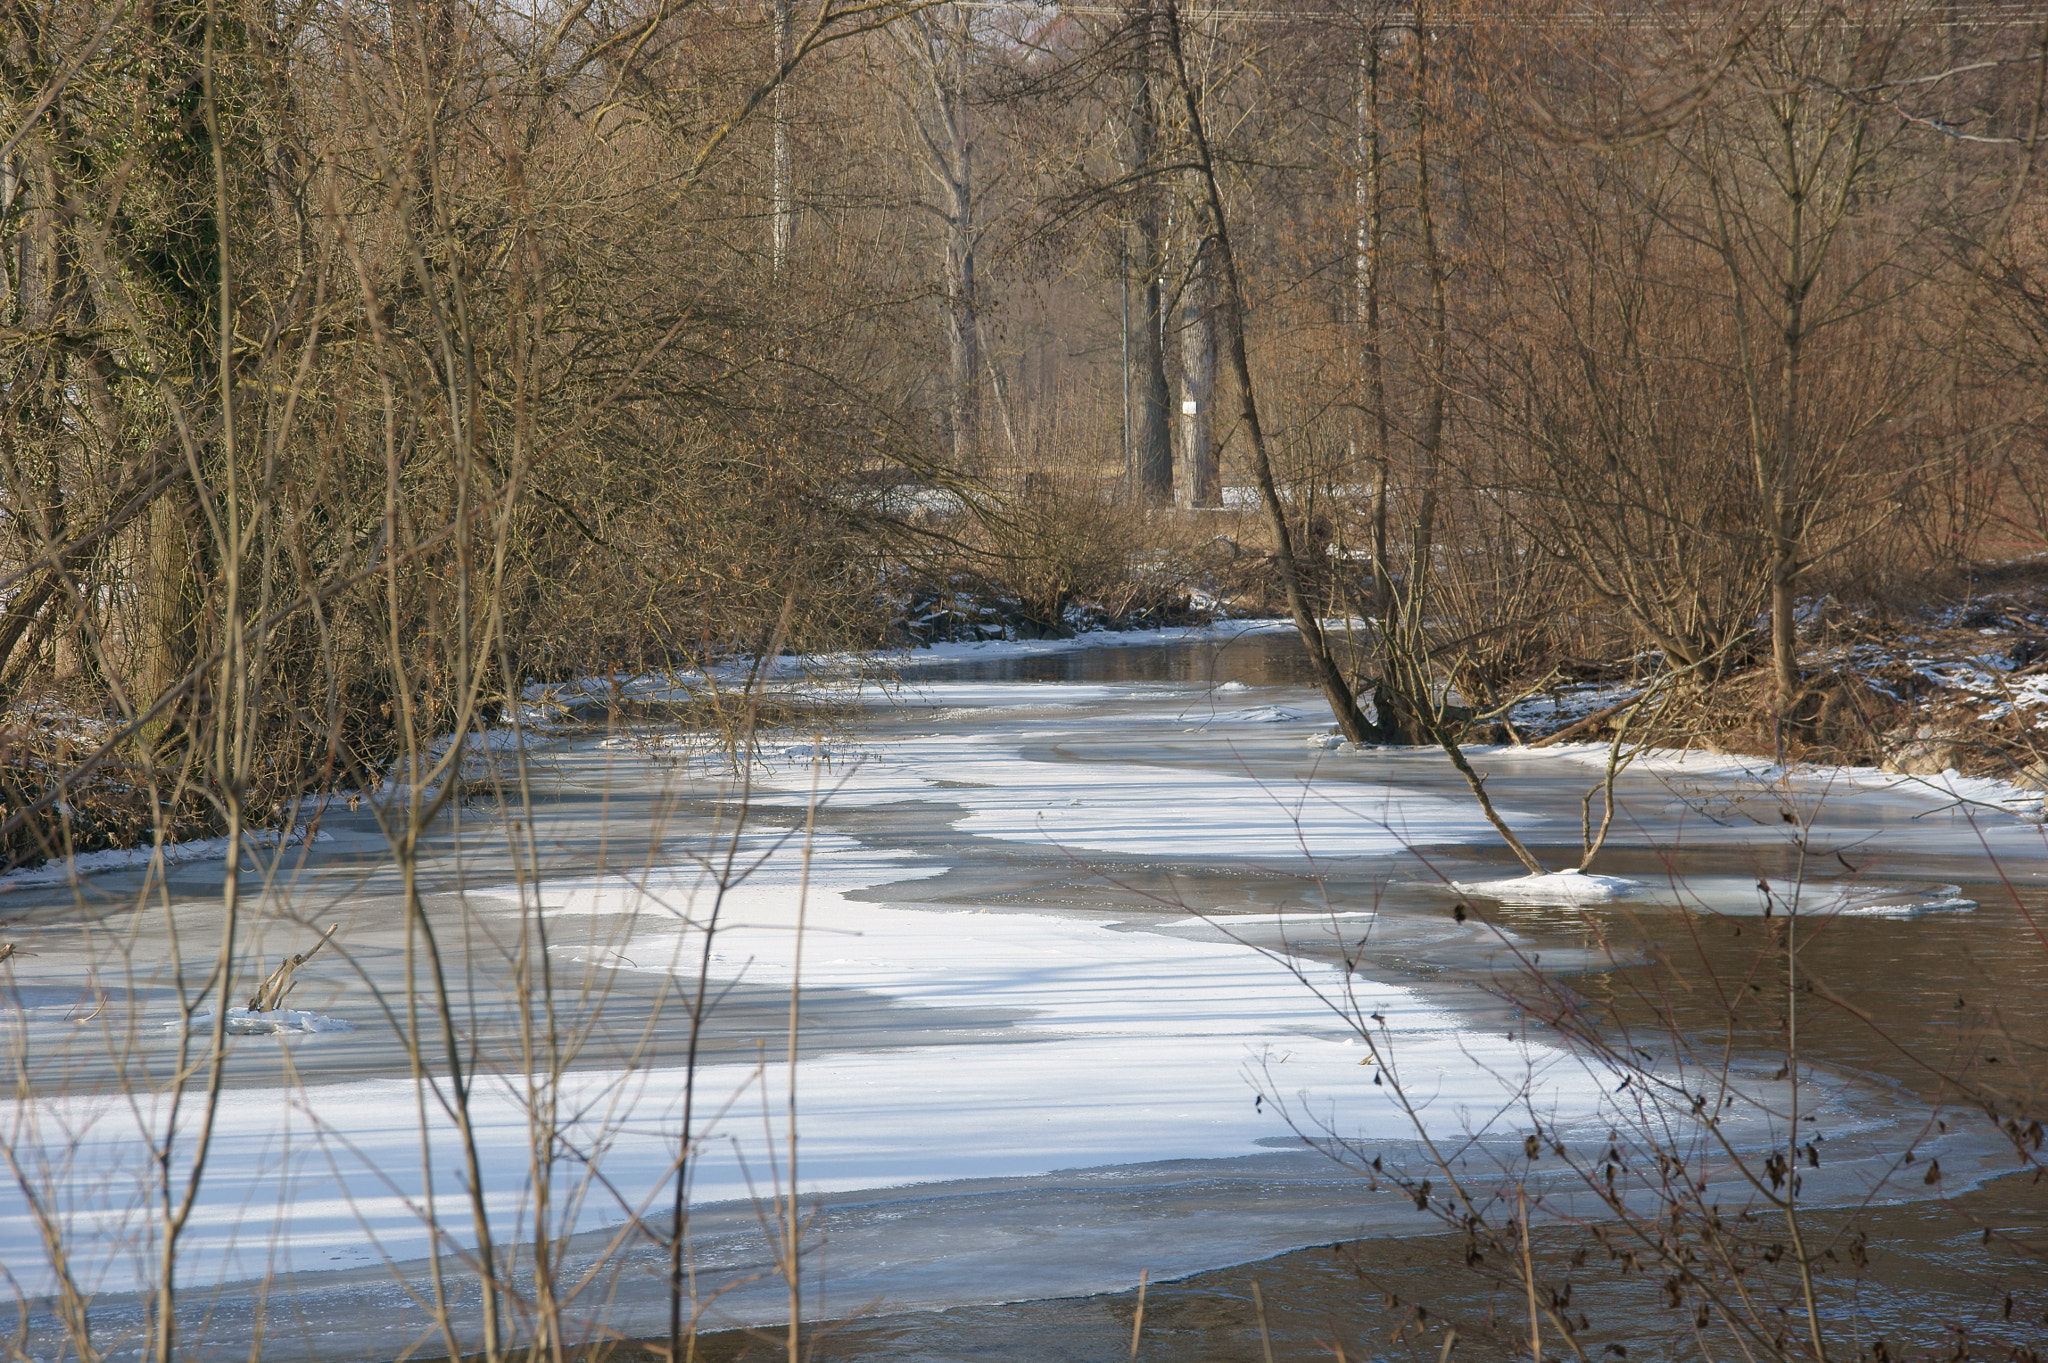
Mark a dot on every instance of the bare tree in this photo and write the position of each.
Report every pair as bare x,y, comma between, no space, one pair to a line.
1786,178
1151,436
1329,676
940,45
1368,268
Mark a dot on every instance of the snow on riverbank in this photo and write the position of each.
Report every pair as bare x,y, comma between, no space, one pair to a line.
66,870
1988,794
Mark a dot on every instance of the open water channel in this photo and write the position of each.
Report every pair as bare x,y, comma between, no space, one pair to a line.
1104,967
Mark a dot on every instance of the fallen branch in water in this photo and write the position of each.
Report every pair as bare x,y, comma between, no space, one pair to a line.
1580,726
269,996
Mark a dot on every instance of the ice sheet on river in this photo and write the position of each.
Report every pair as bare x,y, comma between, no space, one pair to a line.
1170,811
1132,1047
1138,1047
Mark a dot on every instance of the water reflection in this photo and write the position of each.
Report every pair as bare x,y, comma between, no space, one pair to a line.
1263,658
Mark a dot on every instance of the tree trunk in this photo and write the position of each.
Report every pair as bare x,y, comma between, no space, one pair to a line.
1784,624
963,346
1786,522
779,188
171,596
1371,192
1152,438
1201,485
963,297
938,42
963,303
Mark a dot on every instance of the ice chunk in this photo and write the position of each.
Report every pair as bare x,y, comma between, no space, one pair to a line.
250,1022
1557,887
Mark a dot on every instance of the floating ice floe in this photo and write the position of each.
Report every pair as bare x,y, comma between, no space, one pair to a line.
1844,898
1953,903
1731,896
1555,887
1262,714
1738,896
268,1022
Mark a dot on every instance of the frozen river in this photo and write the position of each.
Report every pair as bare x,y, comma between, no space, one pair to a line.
1095,960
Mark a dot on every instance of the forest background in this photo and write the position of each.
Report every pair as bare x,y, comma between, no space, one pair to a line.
366,365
